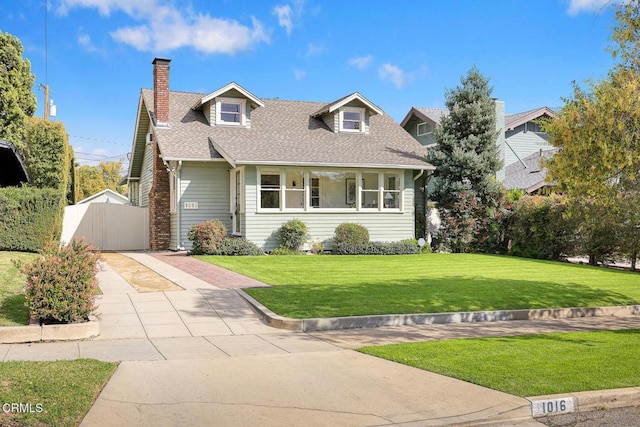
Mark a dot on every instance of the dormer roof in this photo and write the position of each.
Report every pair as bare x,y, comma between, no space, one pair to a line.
426,114
354,98
233,89
512,121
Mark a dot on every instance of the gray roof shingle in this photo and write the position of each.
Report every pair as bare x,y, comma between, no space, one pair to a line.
283,132
528,174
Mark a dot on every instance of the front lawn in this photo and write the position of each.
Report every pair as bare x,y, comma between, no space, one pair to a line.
12,309
330,286
529,365
56,393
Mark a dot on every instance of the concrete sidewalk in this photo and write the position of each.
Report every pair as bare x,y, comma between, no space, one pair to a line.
201,356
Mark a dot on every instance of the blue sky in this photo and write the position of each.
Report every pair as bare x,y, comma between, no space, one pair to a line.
398,53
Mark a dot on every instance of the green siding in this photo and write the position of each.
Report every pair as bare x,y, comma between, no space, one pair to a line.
206,183
412,127
521,144
146,177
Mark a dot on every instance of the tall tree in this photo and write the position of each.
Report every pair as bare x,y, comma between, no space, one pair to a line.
598,132
112,174
92,179
17,101
466,159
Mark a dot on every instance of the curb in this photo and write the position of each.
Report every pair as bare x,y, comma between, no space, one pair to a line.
375,321
39,333
584,401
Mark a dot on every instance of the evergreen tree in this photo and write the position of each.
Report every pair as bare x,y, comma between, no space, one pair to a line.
17,101
466,160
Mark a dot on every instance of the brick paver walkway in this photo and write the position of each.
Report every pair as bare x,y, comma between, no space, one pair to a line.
210,273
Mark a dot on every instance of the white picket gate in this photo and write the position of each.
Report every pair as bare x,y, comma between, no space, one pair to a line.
109,226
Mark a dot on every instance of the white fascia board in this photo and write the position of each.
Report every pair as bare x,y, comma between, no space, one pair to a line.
337,165
370,105
233,85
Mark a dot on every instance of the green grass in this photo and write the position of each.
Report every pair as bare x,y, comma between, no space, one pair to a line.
65,390
327,286
12,309
529,365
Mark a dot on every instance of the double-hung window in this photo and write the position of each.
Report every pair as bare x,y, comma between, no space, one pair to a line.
270,190
352,119
230,111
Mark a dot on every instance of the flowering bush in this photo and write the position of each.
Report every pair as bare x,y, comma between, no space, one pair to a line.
207,237
61,284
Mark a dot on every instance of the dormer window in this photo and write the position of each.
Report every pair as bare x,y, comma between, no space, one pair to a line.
424,128
230,111
351,119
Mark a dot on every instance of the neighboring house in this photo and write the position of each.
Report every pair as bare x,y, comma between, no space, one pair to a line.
256,163
106,196
528,173
523,136
13,172
518,135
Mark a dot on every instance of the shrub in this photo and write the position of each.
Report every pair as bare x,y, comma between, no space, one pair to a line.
283,251
207,237
404,247
30,218
61,285
317,248
350,233
425,249
292,234
539,228
238,246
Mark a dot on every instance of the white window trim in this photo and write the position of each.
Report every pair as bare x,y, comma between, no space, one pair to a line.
243,109
259,174
352,110
307,192
426,127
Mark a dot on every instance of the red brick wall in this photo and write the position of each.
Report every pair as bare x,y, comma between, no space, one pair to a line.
159,205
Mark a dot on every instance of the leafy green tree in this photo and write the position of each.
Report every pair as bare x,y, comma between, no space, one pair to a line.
49,154
93,179
112,174
89,181
466,160
598,132
17,101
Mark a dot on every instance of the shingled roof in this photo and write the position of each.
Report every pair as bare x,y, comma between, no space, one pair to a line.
528,173
282,132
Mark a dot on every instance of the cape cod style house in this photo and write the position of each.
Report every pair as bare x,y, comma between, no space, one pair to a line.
256,163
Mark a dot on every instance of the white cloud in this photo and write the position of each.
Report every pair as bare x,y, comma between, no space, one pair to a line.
577,6
84,40
394,74
314,49
285,17
361,62
299,74
163,27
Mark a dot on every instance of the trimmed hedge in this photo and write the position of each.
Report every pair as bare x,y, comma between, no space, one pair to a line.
404,247
30,218
238,246
351,233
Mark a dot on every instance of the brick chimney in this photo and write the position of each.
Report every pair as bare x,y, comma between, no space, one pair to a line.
161,90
